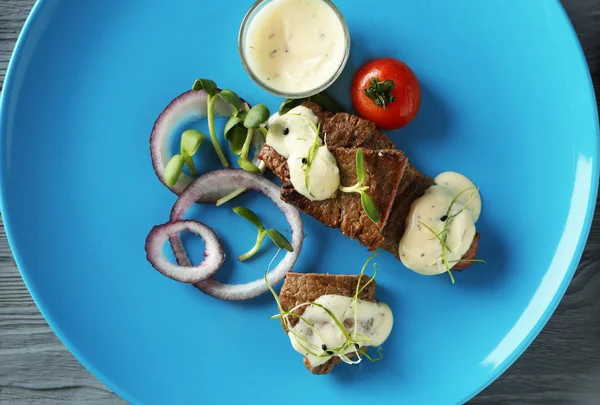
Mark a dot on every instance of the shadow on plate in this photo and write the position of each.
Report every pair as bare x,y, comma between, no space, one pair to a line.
491,249
433,121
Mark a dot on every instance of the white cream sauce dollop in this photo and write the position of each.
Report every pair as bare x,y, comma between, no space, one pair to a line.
374,320
292,135
419,249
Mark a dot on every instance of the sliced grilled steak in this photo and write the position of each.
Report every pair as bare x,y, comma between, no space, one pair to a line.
383,171
299,288
346,131
413,185
349,131
276,163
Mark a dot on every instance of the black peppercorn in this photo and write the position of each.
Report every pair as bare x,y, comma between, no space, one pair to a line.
356,345
304,161
286,131
324,346
443,218
329,352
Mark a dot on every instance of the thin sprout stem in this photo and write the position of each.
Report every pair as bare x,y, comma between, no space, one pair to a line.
259,239
310,326
443,242
451,275
468,261
372,360
439,235
461,210
247,143
261,166
211,129
266,277
455,199
190,163
335,320
352,189
359,290
230,196
367,283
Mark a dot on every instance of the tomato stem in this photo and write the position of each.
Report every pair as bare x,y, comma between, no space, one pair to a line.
380,92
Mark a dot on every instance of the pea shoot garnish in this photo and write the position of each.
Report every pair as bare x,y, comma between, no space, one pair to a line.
442,236
276,237
239,131
354,341
226,95
365,200
190,143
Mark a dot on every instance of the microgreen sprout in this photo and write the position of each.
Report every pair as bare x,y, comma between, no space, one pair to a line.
239,131
442,236
354,341
365,200
190,143
226,95
276,237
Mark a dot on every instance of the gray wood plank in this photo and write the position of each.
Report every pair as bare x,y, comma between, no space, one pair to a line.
562,366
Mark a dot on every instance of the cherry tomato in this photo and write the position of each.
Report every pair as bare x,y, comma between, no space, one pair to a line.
387,92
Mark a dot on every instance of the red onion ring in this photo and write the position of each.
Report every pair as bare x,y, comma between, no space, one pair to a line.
213,252
187,106
208,189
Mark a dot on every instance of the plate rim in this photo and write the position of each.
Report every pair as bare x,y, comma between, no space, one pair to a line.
5,95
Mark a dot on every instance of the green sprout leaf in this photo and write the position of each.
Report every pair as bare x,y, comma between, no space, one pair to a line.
234,121
275,236
360,166
258,115
191,141
279,240
365,200
249,216
207,85
369,207
248,165
288,104
232,99
236,136
173,170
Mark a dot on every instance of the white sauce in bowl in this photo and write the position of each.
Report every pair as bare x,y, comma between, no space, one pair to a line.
295,46
419,249
374,319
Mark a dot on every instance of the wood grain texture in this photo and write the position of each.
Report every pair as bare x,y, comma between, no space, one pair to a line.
562,366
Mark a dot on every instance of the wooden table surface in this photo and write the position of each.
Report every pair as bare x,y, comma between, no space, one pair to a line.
562,366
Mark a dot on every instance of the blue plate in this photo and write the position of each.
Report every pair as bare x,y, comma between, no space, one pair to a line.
507,100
